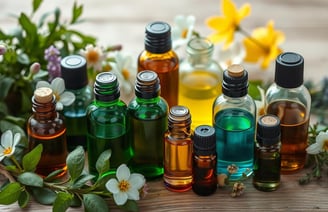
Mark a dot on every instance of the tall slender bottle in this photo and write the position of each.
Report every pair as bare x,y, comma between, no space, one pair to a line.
290,100
267,154
178,150
47,127
234,119
200,81
159,57
204,161
107,124
148,113
74,73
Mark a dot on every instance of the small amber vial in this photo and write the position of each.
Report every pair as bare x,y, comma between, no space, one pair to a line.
46,126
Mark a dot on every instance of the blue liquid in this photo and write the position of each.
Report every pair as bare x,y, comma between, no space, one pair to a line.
235,141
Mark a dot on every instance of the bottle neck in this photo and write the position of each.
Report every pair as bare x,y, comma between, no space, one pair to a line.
141,100
200,51
102,103
44,111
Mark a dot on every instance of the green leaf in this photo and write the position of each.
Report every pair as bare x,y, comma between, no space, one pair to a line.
130,205
31,31
53,175
32,158
82,180
11,168
10,193
62,202
44,196
6,83
76,202
23,199
77,12
36,5
102,164
94,203
75,162
30,179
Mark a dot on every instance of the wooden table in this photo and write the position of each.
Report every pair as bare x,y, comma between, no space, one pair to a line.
305,24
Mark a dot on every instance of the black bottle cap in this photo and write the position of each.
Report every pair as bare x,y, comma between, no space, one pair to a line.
289,70
204,140
235,81
268,130
147,85
74,71
158,37
106,87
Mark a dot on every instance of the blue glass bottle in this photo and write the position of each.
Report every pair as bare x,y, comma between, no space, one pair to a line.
234,119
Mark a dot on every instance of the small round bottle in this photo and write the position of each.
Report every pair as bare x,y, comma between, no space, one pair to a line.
267,154
107,124
204,161
290,100
47,127
74,73
159,57
200,80
148,113
234,120
178,150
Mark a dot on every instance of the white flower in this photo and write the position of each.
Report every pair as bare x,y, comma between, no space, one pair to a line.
94,56
126,186
182,30
320,145
260,105
234,54
63,98
8,143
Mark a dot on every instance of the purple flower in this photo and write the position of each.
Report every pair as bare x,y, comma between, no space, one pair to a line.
52,55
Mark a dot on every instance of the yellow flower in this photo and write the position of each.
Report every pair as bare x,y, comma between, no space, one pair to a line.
226,25
263,45
94,56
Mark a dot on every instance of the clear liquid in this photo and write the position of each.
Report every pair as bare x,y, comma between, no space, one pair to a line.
294,134
234,141
198,91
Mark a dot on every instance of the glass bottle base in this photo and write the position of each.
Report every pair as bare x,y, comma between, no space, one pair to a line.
266,186
177,184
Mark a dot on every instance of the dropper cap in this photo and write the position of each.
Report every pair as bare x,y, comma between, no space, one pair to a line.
268,130
43,95
235,81
204,140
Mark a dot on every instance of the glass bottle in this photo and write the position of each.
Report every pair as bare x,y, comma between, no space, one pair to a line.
267,154
159,57
47,127
107,124
200,81
74,73
204,161
148,114
178,150
234,119
290,100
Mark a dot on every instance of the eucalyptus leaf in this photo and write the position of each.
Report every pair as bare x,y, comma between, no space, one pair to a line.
82,180
10,193
30,179
102,164
23,199
94,203
75,162
43,195
53,175
62,202
32,158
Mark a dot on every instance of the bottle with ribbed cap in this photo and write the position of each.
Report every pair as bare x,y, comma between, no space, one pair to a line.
178,150
148,113
107,124
234,120
159,57
204,161
267,154
47,127
290,100
74,73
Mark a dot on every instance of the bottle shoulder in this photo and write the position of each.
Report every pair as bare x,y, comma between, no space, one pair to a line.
157,107
223,102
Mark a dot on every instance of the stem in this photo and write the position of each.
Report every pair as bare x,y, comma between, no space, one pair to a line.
249,36
16,163
5,173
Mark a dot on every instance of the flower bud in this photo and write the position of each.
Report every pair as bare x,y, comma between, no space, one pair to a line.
35,68
3,49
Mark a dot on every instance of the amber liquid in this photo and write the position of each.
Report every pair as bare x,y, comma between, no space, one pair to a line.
294,124
167,68
177,164
198,91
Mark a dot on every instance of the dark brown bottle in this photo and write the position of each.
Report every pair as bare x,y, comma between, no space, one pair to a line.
159,57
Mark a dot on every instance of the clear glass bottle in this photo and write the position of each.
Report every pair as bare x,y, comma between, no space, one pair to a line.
178,150
290,100
200,80
234,120
159,57
148,114
47,127
74,73
107,124
267,154
204,161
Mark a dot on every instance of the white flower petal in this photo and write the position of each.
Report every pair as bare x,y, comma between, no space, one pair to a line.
67,98
122,172
2,156
59,106
314,149
112,186
58,85
17,138
120,198
133,194
137,180
7,139
42,84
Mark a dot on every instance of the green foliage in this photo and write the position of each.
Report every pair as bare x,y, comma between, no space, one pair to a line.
10,193
62,202
32,158
30,179
94,203
75,162
102,164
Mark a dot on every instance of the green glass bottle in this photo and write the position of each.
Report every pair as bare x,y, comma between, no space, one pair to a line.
148,117
107,124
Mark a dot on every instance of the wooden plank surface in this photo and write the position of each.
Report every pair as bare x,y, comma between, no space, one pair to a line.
305,24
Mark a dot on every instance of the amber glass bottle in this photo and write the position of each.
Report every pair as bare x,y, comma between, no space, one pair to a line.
159,57
178,150
46,126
